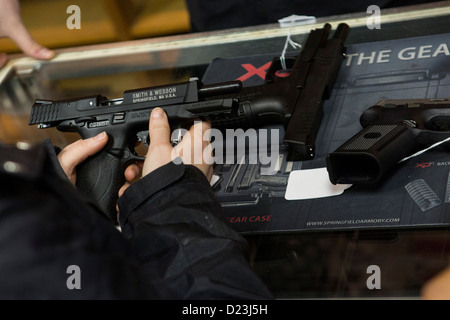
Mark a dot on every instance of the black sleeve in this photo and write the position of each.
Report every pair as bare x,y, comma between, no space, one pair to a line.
175,223
54,244
207,15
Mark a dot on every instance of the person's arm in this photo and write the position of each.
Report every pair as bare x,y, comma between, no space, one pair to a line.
11,26
438,287
176,226
54,243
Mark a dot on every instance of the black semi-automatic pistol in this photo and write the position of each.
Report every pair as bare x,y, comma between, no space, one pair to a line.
296,101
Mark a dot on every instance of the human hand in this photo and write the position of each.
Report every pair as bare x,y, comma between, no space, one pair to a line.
161,152
11,26
438,287
74,154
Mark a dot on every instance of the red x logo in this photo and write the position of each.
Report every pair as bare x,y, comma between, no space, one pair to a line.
423,165
261,72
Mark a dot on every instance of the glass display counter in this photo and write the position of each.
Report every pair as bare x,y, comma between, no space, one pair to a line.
293,265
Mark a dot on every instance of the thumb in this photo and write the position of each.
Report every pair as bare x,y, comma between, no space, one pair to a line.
159,128
160,149
79,151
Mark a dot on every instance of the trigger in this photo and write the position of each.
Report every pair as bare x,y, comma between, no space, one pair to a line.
141,144
143,137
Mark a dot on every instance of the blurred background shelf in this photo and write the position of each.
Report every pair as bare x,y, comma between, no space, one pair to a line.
102,21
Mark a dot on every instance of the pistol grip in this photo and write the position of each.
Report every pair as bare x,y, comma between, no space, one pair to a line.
100,177
370,154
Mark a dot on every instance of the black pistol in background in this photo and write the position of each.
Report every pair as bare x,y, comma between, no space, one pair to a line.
296,101
392,130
